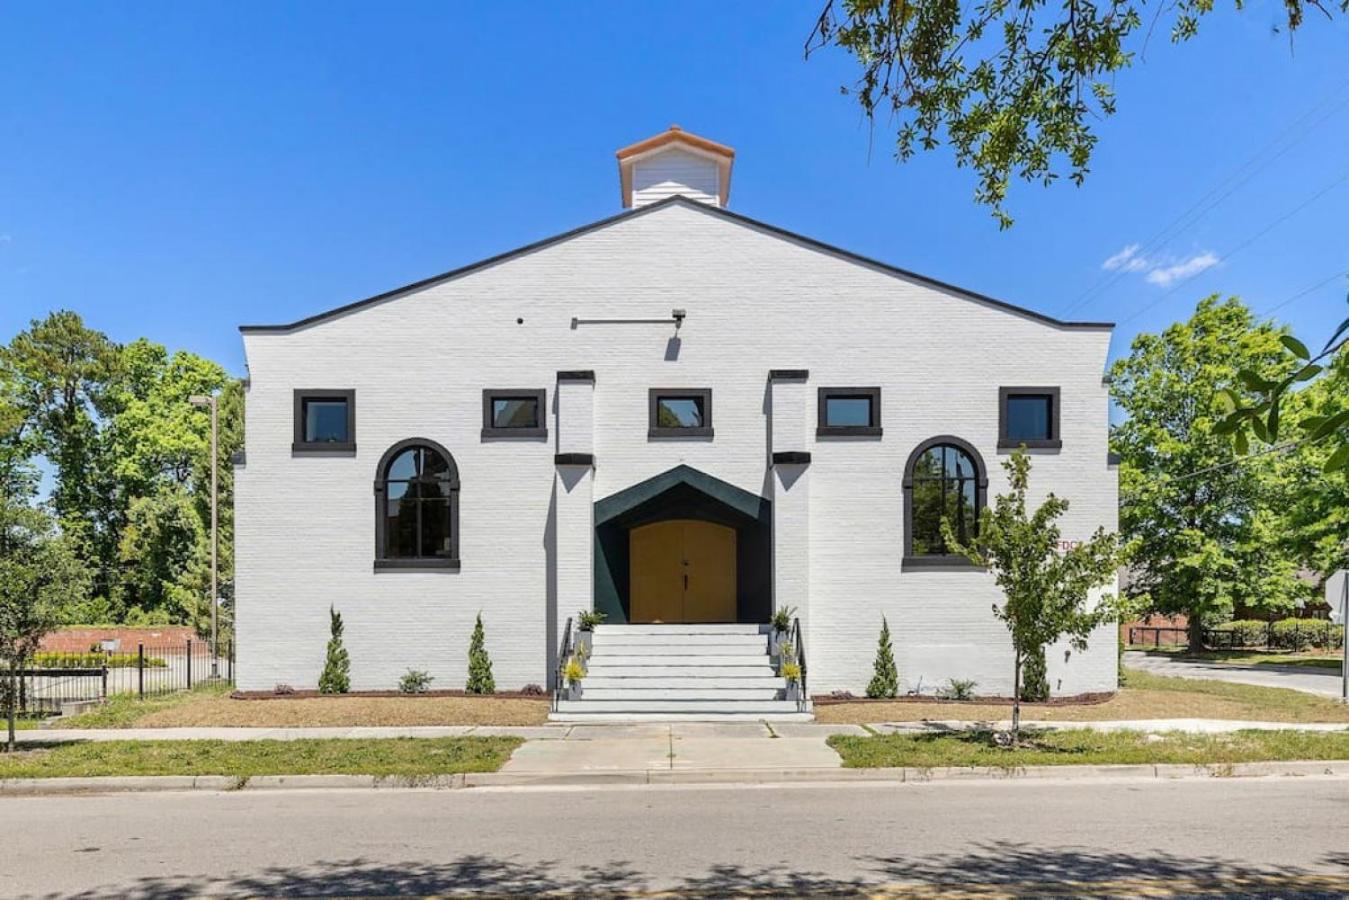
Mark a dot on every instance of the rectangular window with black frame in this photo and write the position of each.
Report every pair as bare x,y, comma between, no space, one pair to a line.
510,413
679,412
1029,417
849,412
325,421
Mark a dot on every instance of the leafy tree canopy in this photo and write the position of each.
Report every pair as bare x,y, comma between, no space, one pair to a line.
1012,87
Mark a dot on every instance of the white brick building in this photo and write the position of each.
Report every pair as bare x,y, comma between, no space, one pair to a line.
778,400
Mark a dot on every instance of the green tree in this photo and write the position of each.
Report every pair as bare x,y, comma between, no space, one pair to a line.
164,554
480,679
60,371
39,576
1047,590
336,675
1014,89
885,677
1203,521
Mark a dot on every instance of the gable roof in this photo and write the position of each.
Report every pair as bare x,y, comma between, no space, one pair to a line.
707,210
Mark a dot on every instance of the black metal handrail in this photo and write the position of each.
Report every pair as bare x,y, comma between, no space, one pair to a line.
564,654
799,645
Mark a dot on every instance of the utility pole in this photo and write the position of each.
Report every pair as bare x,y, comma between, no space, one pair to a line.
211,401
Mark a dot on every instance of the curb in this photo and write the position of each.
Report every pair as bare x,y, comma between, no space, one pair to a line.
667,777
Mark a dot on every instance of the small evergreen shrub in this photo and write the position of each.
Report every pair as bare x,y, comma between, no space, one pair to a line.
885,677
532,690
1034,677
414,681
586,620
336,677
479,663
282,690
782,619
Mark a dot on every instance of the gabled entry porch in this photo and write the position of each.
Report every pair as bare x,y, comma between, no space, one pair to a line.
683,547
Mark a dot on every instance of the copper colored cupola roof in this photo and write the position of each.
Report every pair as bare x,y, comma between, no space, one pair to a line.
676,138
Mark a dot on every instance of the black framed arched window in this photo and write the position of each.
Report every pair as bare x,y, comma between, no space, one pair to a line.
944,478
417,507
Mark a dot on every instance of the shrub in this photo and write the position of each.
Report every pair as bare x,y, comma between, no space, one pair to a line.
586,620
283,689
782,619
1241,633
959,689
791,671
573,671
336,677
51,659
1034,677
885,677
1303,634
414,681
480,679
532,690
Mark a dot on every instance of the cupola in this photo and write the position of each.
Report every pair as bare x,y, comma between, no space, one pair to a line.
675,162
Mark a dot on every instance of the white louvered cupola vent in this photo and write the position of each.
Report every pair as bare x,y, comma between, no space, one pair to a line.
672,163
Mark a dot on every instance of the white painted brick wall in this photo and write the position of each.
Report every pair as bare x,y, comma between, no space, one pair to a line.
305,526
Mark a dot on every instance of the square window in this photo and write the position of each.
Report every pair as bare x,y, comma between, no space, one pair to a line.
849,412
325,421
677,412
1029,416
513,413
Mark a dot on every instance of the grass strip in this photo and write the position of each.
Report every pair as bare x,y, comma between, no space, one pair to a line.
125,710
1087,747
335,756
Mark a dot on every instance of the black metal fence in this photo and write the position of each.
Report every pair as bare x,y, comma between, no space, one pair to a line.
52,679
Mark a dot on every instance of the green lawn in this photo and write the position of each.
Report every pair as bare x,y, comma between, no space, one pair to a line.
1317,659
1086,747
124,710
389,756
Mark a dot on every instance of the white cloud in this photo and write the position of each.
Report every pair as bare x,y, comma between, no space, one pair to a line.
1126,260
1167,275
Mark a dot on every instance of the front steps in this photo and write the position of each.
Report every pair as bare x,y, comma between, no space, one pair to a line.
680,673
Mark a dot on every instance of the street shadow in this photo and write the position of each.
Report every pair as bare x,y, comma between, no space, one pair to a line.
1014,869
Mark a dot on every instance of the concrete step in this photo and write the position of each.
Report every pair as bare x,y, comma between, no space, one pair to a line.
678,649
693,680
586,704
609,668
681,694
750,642
617,718
710,628
683,661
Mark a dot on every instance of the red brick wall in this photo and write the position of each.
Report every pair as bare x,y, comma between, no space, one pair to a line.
80,640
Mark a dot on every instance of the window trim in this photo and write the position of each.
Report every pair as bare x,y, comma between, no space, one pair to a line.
824,429
1054,442
653,397
387,563
539,395
299,445
941,560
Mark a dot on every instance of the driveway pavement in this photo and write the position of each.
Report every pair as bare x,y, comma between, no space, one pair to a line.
1313,681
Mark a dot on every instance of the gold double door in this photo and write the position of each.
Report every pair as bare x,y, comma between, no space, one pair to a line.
681,570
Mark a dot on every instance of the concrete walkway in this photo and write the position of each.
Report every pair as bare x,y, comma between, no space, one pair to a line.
1325,682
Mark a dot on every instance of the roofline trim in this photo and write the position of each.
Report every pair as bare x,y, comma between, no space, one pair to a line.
641,211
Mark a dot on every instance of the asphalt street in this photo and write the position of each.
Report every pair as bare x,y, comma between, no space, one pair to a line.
1229,837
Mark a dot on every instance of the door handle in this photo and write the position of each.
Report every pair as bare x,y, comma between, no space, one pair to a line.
686,581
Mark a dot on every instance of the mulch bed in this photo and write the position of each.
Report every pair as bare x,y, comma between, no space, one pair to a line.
312,695
1075,700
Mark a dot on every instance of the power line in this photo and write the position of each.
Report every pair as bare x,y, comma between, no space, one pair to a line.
1236,179
1320,284
1244,244
1240,460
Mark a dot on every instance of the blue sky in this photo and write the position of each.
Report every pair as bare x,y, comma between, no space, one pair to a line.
174,170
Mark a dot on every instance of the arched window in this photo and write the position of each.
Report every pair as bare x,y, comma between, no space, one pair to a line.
944,478
417,507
